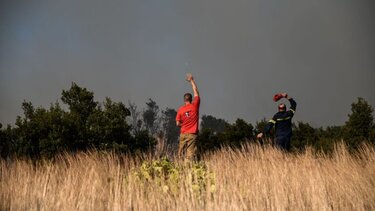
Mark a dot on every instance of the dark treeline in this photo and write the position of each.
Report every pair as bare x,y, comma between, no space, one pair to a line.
113,126
358,129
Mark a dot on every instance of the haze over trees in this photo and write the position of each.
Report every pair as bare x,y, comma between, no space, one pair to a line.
87,124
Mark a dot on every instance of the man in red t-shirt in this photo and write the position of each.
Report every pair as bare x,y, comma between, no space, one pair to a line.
188,119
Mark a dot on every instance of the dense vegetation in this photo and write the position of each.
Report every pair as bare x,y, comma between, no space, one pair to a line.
88,124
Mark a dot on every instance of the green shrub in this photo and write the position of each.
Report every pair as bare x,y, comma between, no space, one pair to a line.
170,177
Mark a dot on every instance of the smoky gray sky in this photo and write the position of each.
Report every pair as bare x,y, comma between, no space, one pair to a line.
241,53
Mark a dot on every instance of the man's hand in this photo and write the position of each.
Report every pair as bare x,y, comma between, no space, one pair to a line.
285,95
260,135
189,77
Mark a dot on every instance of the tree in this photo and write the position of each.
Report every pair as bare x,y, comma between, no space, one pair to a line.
3,143
38,133
260,125
45,132
234,135
135,118
80,101
150,117
216,125
170,129
81,105
211,129
237,133
6,144
333,132
208,141
372,135
360,123
109,127
303,135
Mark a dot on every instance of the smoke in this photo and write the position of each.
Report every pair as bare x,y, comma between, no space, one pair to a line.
241,53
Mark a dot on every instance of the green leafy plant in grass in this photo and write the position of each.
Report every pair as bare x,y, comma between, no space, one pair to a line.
169,176
202,179
163,173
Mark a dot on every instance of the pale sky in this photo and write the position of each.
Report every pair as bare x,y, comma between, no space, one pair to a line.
241,53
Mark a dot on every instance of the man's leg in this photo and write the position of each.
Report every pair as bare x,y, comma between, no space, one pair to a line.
191,146
187,146
182,146
283,142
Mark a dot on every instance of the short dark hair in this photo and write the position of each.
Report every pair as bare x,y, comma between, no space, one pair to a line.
188,97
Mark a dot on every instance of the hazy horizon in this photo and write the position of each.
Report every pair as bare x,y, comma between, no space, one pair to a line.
240,52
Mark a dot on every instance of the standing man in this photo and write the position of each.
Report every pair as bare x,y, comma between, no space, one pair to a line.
283,124
188,119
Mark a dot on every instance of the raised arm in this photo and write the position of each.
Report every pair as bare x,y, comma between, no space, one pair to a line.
189,78
293,104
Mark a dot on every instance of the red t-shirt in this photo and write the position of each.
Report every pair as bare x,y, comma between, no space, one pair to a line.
188,115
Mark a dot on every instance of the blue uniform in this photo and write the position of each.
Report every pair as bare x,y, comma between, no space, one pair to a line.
283,126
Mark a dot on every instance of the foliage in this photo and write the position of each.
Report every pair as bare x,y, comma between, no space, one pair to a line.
170,129
260,125
3,142
202,180
360,123
135,118
237,133
87,124
303,135
160,172
168,176
216,125
151,117
233,135
372,135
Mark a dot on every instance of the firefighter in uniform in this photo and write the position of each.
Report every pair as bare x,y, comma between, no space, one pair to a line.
282,121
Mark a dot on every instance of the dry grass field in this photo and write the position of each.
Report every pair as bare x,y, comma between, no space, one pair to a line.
253,178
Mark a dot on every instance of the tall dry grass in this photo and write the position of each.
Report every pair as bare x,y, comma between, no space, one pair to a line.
253,178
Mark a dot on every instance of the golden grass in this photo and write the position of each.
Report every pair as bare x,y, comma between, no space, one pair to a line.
253,178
